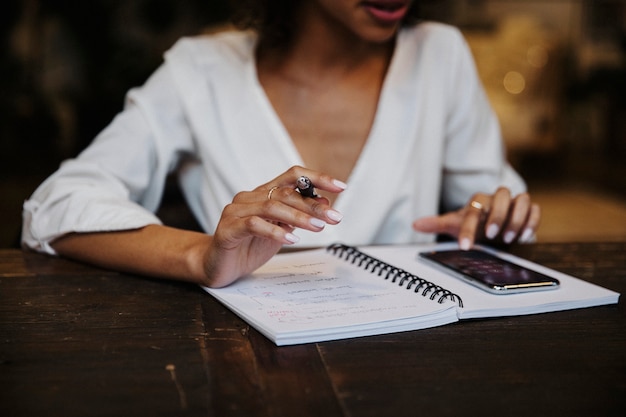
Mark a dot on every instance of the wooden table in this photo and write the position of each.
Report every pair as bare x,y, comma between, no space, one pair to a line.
80,341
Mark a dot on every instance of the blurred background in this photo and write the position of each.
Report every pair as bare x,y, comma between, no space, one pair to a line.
554,70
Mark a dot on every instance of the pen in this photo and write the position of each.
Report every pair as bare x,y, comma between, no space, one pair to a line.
305,187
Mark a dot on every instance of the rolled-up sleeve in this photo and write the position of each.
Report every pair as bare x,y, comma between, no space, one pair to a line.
117,182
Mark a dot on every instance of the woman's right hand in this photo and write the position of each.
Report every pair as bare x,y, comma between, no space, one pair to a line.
258,223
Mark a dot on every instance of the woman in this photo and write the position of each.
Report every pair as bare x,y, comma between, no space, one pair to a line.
339,91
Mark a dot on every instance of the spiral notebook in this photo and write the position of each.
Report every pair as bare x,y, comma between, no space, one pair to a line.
342,292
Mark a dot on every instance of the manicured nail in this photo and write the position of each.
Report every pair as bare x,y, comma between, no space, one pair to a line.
492,231
292,238
465,244
340,184
334,215
527,235
315,222
509,236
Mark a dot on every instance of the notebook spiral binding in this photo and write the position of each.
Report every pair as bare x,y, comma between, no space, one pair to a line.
402,277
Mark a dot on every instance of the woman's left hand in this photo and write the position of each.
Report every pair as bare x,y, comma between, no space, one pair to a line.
497,218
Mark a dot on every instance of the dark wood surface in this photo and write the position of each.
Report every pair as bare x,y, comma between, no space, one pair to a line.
80,341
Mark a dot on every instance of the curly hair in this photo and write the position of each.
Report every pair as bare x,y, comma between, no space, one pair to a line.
274,20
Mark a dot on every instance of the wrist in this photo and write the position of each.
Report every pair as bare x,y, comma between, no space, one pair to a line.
197,259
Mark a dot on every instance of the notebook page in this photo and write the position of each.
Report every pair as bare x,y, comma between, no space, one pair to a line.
573,292
313,296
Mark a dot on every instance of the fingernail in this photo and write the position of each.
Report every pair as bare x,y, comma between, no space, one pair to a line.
292,238
509,236
334,215
465,244
315,222
527,235
492,231
340,184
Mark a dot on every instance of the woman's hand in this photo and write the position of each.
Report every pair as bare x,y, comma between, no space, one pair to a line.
258,223
490,218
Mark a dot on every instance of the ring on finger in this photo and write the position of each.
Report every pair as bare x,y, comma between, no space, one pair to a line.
478,206
271,191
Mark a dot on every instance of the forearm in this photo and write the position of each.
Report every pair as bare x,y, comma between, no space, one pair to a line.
154,250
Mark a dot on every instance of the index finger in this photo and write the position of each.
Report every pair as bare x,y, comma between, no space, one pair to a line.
474,214
319,180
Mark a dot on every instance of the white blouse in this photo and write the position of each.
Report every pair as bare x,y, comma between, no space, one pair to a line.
435,141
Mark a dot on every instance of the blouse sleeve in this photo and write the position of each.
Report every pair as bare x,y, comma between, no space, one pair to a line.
117,182
474,158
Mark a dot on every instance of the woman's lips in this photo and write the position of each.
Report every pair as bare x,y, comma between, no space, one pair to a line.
387,11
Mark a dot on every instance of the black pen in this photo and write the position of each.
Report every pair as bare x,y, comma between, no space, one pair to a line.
305,187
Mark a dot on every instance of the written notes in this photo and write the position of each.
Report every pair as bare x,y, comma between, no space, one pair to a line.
327,292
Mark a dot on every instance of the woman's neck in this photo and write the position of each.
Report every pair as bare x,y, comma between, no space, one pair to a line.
323,48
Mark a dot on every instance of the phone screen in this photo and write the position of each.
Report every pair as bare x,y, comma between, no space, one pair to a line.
491,273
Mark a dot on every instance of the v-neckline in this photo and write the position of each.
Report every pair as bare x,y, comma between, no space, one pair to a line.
366,158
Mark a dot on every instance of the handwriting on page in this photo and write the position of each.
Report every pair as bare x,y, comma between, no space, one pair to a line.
323,292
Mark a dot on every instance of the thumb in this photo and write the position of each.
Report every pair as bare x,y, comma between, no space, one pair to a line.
449,223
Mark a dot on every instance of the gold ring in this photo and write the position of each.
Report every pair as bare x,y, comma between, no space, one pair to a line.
476,205
271,191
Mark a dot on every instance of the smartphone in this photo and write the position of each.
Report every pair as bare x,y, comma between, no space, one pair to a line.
489,272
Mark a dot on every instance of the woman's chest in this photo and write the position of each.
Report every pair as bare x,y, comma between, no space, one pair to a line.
329,126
